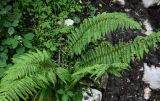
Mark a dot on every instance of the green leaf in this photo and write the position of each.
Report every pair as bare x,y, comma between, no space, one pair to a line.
97,27
42,95
7,24
3,55
8,7
29,36
27,43
78,96
11,30
50,45
1,72
77,19
11,42
63,74
60,91
15,23
69,93
3,59
62,1
65,97
19,51
3,63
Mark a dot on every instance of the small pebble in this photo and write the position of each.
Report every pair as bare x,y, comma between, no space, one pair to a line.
147,93
122,2
69,22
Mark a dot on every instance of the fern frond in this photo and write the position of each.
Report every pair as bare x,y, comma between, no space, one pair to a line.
63,74
98,70
93,28
23,88
28,64
31,72
45,95
122,52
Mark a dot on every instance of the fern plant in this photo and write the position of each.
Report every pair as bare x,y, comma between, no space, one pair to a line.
36,76
94,28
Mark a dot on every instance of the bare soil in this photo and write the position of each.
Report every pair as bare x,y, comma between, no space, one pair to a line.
130,86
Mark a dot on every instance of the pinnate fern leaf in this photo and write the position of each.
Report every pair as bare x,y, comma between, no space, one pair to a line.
98,70
122,52
94,28
63,74
31,72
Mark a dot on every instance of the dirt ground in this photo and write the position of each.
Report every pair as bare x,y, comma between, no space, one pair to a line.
130,86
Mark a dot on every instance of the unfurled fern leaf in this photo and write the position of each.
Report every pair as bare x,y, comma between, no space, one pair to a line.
63,74
122,52
97,70
28,64
93,28
30,72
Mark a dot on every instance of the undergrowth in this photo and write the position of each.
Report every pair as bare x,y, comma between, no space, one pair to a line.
37,76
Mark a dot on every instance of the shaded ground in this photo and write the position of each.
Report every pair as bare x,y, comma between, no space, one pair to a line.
130,86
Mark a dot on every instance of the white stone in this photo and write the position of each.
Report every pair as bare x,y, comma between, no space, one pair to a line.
147,93
122,2
148,27
80,1
69,22
148,3
127,10
152,76
92,95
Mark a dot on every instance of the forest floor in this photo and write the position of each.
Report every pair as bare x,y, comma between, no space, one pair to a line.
130,86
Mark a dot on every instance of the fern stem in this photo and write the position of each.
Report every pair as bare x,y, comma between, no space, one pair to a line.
59,58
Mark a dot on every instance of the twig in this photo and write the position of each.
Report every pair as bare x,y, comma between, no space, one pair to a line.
59,58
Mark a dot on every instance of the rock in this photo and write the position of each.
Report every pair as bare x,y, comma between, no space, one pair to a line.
147,93
148,27
69,22
122,2
80,1
148,3
151,76
104,81
92,95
